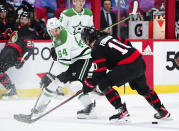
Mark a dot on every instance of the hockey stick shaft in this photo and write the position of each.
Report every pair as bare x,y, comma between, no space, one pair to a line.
54,108
135,7
51,66
118,22
42,87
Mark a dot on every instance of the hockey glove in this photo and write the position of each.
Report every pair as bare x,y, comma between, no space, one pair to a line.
47,79
19,63
87,86
64,77
53,54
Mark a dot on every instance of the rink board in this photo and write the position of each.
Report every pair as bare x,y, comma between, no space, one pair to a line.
157,54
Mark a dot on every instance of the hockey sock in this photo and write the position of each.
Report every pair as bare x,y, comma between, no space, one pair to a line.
113,97
153,100
76,86
85,99
5,81
44,99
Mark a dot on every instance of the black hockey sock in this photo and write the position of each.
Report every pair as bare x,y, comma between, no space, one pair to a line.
153,100
5,81
113,97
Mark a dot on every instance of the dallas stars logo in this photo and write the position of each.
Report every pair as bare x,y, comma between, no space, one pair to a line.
78,28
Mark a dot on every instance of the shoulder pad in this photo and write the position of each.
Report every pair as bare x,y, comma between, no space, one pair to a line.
69,12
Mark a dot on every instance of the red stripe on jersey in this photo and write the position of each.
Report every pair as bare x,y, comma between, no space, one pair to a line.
5,81
119,38
100,69
155,101
109,91
113,98
19,49
125,42
88,84
2,75
29,47
99,60
20,59
130,59
150,95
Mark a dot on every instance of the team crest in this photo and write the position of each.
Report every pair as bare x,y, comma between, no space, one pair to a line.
13,37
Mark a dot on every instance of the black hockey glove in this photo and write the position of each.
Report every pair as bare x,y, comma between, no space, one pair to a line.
64,77
53,54
87,86
19,63
47,79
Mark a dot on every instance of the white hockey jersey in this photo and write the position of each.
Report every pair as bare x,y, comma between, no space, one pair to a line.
74,22
69,50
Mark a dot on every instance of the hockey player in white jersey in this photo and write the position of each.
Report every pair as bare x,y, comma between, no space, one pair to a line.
74,61
75,19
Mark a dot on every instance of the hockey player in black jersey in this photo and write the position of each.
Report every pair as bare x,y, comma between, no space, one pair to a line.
15,52
125,64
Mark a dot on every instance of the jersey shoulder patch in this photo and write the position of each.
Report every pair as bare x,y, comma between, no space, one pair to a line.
87,12
13,37
69,12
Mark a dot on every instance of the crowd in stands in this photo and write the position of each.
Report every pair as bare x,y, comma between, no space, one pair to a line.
10,22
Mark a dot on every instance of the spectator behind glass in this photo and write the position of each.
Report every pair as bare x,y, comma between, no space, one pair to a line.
37,25
5,29
108,18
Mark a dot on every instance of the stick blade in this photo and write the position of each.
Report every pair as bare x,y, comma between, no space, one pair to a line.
23,118
135,7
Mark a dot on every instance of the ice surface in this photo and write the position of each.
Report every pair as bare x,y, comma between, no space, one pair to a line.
64,118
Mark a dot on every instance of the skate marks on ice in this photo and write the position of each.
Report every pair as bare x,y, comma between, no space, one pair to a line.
65,117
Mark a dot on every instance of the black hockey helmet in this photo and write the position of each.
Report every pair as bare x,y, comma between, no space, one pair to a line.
25,14
90,34
3,8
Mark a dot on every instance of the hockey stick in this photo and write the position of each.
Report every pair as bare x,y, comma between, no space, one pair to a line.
42,87
27,118
135,7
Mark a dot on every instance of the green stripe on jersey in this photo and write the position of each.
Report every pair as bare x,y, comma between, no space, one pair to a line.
83,69
64,64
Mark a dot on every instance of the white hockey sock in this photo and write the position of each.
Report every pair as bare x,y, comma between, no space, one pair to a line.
44,99
85,99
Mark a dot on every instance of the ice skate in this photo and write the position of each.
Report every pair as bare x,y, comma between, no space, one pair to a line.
162,114
88,112
10,93
122,115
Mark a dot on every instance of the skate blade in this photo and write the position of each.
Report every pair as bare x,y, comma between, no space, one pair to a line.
124,120
85,116
166,118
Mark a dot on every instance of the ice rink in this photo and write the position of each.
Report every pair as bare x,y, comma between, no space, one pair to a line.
64,118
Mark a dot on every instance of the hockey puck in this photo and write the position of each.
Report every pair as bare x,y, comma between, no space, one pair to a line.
154,122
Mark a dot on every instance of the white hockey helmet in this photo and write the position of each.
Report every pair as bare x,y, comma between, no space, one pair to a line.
52,23
74,2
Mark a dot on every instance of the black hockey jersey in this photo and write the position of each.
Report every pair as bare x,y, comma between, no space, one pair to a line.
22,41
109,52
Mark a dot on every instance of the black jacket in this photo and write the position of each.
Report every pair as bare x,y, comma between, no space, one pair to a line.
103,23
